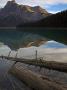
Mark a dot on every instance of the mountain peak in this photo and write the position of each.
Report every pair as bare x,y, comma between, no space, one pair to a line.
41,10
15,13
37,7
10,4
13,0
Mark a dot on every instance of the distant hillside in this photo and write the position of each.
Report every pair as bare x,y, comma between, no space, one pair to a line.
55,20
13,14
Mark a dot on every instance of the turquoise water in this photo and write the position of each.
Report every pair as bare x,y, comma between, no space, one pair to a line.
15,39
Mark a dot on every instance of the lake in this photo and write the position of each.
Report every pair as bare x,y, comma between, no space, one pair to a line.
13,40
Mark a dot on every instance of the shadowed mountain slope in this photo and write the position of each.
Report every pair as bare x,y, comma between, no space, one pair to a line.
13,14
55,20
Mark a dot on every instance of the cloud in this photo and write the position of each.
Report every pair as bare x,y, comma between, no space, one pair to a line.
42,2
37,2
55,1
3,2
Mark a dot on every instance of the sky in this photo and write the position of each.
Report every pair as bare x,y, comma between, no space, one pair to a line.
52,6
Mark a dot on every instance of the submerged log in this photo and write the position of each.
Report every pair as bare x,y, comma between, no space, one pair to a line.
34,80
59,66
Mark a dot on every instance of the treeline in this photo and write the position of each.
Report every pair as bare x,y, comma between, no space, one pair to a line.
55,20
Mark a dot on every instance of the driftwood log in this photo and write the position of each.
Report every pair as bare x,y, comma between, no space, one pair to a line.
34,80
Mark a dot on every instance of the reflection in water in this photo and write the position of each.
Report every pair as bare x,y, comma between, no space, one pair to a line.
4,50
16,39
53,44
7,81
46,51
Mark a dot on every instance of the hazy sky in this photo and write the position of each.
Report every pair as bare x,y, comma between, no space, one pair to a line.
50,5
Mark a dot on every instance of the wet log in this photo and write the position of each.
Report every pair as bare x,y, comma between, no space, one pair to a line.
34,80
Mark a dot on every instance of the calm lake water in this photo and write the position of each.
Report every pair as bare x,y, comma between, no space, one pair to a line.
7,81
15,39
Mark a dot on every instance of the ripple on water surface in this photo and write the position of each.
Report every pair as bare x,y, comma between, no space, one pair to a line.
7,81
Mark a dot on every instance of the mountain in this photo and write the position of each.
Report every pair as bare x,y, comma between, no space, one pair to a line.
54,20
13,14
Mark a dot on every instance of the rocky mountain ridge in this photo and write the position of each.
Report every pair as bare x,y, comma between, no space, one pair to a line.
13,14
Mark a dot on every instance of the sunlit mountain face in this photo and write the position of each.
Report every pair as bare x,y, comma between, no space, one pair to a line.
53,6
12,14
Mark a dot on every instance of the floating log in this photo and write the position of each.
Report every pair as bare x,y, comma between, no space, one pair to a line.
34,80
59,66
